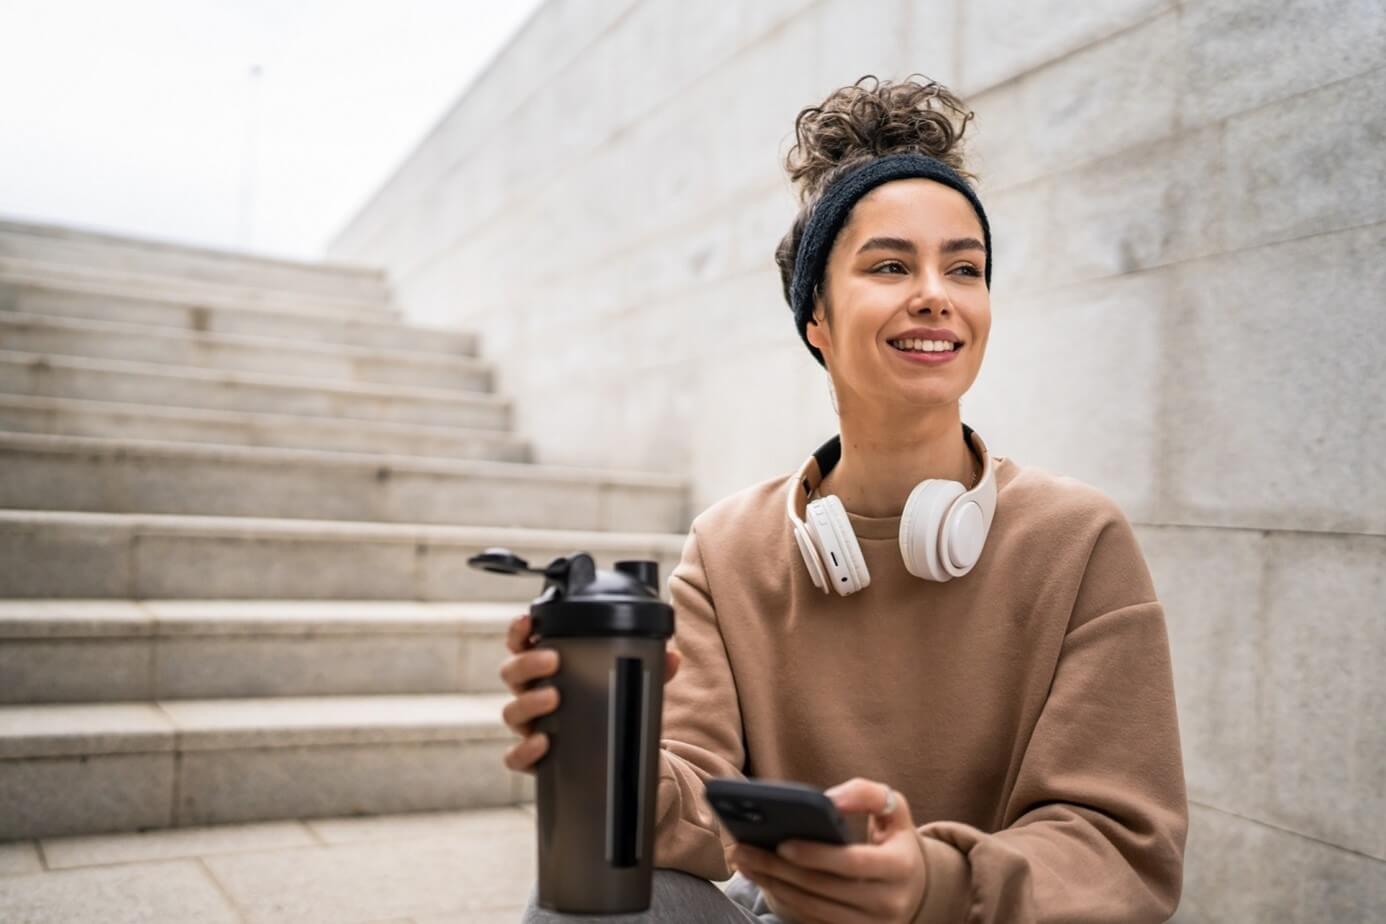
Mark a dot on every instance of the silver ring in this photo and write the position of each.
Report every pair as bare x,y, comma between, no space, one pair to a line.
890,802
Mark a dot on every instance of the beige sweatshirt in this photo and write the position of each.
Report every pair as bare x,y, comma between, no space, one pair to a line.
1026,710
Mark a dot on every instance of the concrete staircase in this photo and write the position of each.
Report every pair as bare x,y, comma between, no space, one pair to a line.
237,497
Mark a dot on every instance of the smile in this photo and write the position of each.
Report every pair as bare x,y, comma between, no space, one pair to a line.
931,357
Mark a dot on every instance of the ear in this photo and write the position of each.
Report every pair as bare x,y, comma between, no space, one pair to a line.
814,330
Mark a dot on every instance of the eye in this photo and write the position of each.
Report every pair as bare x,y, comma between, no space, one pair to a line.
888,263
972,270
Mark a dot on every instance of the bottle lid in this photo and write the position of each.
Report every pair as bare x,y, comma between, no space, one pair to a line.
581,600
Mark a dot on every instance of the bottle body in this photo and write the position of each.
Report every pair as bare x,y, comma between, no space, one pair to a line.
596,786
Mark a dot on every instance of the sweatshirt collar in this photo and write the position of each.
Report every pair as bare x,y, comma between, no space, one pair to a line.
830,453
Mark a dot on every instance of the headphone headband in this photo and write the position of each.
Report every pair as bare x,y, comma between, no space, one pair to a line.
826,457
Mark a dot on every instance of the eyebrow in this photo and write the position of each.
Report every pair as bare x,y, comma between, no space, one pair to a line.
952,245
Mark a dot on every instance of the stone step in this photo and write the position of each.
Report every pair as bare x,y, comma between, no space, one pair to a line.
43,374
54,651
62,554
147,476
99,767
58,249
365,329
74,417
214,294
36,333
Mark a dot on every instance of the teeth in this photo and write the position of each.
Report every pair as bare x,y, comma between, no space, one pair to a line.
923,346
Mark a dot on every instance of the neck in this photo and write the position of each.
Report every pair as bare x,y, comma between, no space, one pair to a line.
881,465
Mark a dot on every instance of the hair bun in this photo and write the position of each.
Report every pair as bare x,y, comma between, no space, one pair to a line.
857,123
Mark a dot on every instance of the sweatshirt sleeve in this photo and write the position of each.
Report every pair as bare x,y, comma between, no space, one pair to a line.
701,735
1095,826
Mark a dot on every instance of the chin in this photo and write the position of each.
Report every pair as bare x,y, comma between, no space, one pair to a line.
921,398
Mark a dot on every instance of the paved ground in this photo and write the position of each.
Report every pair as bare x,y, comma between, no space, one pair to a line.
438,868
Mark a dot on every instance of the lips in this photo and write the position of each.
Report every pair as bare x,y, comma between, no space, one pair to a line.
928,359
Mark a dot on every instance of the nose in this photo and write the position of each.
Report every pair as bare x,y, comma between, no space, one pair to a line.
931,296
927,305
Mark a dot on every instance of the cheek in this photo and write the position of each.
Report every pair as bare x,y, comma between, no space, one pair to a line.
979,349
980,322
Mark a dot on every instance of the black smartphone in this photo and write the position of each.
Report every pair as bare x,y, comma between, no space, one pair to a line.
763,813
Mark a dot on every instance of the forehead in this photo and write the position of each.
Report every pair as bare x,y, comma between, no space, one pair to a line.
919,208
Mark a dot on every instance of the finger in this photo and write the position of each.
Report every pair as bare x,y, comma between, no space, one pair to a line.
526,707
854,861
520,669
858,795
807,905
772,864
523,756
898,819
518,633
888,807
672,660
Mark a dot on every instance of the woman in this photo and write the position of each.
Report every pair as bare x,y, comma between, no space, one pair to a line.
989,680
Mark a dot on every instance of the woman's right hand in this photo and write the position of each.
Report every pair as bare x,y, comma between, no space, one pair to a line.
525,665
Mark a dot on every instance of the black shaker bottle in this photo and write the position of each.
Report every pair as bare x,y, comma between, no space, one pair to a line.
595,787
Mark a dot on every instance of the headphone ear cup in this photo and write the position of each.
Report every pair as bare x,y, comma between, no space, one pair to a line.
842,557
921,527
963,536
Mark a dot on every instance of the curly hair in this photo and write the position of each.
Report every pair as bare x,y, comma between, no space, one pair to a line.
855,124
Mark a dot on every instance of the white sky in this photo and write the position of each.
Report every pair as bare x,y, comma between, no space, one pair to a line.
138,115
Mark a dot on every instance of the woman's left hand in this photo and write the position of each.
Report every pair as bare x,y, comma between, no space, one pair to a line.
882,880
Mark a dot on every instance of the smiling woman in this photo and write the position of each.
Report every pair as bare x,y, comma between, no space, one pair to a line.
966,650
891,233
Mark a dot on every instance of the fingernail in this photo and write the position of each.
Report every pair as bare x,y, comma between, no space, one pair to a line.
785,851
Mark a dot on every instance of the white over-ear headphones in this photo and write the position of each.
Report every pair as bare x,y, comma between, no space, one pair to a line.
942,529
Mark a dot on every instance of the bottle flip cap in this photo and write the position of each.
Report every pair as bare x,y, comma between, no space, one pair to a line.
580,599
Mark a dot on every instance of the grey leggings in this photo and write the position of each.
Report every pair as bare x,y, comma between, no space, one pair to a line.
678,896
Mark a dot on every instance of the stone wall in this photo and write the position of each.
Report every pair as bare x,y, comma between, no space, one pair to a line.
1189,211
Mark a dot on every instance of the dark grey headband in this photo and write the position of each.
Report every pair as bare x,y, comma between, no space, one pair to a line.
830,212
